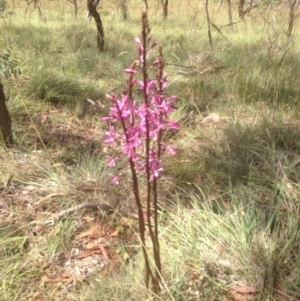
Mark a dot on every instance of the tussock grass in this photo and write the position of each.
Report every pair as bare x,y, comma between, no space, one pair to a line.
205,252
229,198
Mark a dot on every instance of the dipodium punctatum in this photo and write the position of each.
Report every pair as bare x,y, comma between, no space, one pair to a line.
137,120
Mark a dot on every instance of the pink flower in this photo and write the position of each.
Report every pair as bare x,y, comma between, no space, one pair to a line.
141,118
173,125
112,137
112,161
115,180
172,150
130,71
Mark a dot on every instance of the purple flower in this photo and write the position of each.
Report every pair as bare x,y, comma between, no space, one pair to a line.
130,71
112,161
112,137
142,118
115,180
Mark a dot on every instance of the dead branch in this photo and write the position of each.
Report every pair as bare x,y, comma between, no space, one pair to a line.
92,12
87,204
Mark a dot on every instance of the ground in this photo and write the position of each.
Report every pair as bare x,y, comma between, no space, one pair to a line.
229,198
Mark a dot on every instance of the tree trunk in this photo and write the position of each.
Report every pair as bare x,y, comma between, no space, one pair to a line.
146,4
230,14
92,9
208,23
241,9
36,5
292,16
164,4
124,8
75,8
5,122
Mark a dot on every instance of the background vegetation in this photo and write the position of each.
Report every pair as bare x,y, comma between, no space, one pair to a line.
229,219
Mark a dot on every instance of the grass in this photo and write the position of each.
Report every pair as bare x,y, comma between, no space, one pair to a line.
229,198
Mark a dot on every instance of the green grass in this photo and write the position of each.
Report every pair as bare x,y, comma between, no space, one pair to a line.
228,199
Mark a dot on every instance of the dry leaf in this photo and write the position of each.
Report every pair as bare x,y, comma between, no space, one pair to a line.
235,296
95,231
58,278
242,293
94,244
104,252
83,234
244,289
115,233
44,118
65,275
38,228
91,232
88,253
213,118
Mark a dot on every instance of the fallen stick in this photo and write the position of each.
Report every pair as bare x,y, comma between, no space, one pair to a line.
88,204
